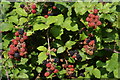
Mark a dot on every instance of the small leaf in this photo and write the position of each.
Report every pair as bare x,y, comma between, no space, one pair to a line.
96,72
22,20
21,12
41,57
22,75
38,69
61,49
71,60
69,44
39,26
62,72
23,61
42,48
6,26
13,19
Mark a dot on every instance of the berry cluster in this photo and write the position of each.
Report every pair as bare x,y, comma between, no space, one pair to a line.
89,45
18,46
50,12
93,19
51,68
75,55
70,70
29,8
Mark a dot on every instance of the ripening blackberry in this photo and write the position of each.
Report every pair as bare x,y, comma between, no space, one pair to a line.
22,5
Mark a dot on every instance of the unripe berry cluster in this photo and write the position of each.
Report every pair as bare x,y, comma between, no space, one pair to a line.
50,12
18,46
29,8
75,54
93,19
89,45
51,68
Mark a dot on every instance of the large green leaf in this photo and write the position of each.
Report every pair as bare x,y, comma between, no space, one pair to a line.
69,44
110,64
13,19
21,12
42,48
39,26
41,57
38,69
6,26
22,20
61,49
96,72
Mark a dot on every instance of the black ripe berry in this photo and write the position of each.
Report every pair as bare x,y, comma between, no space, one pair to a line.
22,5
44,62
16,55
56,60
81,74
71,53
78,57
21,31
87,41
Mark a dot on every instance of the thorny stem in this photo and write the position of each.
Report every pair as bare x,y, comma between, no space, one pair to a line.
48,44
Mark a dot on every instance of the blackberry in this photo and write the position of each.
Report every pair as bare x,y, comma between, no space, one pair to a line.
51,14
87,41
44,62
71,53
75,51
21,31
16,55
56,60
22,5
78,57
81,74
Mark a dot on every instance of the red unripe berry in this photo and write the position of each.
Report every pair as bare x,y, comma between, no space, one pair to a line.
70,66
25,37
11,52
49,12
46,16
15,42
33,6
15,48
91,24
48,65
21,54
22,49
98,23
17,38
73,56
52,68
25,34
71,69
23,45
92,42
33,11
97,17
96,20
22,40
17,33
47,74
56,71
11,46
95,11
54,7
11,57
87,19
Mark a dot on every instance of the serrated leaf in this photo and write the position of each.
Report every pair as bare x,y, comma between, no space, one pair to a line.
62,71
100,64
110,64
22,20
6,26
41,57
39,26
21,12
38,69
13,19
61,49
96,72
69,44
23,61
42,48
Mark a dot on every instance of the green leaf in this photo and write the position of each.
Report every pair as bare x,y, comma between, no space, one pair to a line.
110,64
40,26
13,19
22,75
38,69
42,48
23,61
116,73
6,26
71,60
22,20
61,49
21,12
23,71
29,33
41,57
100,64
82,55
96,72
89,69
15,72
62,72
56,32
83,36
69,44
52,53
